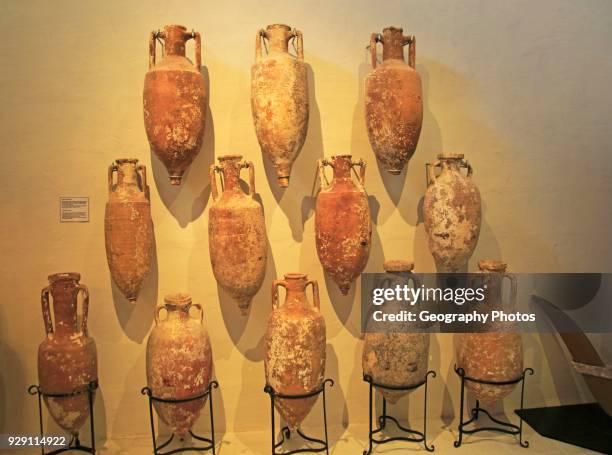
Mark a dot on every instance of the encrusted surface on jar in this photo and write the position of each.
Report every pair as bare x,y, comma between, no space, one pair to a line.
67,358
395,359
175,113
66,364
179,365
452,217
279,102
492,357
394,113
343,232
295,359
238,245
128,230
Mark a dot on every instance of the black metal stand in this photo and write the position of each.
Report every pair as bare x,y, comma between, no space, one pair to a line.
211,442
382,419
503,427
75,443
286,432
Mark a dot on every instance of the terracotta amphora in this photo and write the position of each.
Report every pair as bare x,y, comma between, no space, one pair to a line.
295,347
279,97
179,362
451,212
128,228
343,227
67,358
496,354
392,356
236,232
175,101
393,100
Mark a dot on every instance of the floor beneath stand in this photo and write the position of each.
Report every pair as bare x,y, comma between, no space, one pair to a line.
352,441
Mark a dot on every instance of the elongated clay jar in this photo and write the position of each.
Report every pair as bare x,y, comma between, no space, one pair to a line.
343,228
451,212
295,347
393,356
393,100
237,232
179,362
128,228
67,358
279,97
496,354
175,101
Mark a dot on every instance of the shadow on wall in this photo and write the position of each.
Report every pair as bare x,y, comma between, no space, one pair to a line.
490,245
309,202
251,418
357,391
99,419
563,376
5,361
250,385
13,388
187,201
439,391
377,254
430,144
303,173
136,318
202,426
345,306
535,351
337,410
131,415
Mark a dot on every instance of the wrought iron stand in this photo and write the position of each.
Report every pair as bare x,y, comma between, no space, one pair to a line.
75,442
286,432
382,419
211,442
503,427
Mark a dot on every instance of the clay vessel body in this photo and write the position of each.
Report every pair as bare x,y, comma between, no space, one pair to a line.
179,362
237,232
128,228
495,355
451,213
175,101
279,98
343,227
393,356
67,358
393,101
295,347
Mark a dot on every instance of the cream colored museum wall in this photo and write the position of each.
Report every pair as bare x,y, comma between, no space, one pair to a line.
521,87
